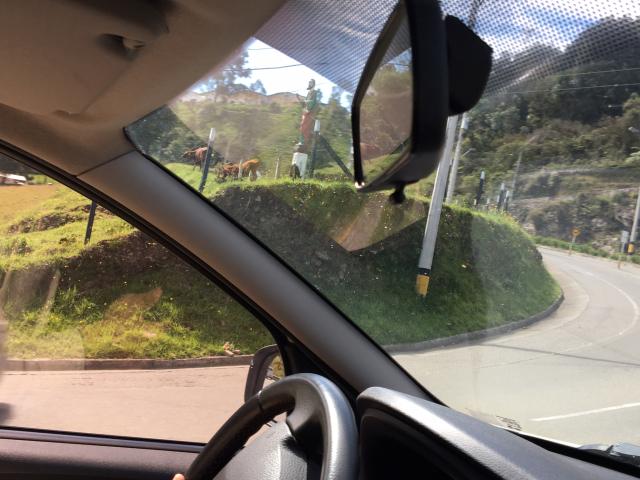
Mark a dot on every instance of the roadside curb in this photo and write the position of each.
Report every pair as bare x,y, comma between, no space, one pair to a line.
43,364
476,335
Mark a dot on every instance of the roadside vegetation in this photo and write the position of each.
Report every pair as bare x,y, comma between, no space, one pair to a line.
121,296
124,296
569,141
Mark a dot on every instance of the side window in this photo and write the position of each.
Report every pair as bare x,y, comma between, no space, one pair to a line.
104,330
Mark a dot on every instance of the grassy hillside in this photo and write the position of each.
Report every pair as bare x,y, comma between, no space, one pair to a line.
266,132
124,296
121,296
568,172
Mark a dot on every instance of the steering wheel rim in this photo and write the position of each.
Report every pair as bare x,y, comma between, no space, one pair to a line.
311,402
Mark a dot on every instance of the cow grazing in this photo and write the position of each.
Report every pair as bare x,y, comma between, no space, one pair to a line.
196,156
249,169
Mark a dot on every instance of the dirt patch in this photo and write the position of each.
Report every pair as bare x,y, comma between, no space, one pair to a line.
43,223
53,220
117,260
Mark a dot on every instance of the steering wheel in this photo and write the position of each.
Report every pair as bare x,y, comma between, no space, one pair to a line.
314,405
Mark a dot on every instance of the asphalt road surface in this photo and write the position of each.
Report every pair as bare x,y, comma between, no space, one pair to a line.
573,377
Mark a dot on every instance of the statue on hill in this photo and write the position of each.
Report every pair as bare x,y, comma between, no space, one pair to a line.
310,106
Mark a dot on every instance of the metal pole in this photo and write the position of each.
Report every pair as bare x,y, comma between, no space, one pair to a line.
634,228
92,216
207,160
453,175
473,13
516,172
464,124
277,164
573,241
435,209
624,241
507,196
501,196
480,190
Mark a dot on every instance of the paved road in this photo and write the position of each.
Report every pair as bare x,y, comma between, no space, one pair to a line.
574,377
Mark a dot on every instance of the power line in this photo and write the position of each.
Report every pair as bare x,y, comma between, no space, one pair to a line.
595,72
614,85
265,68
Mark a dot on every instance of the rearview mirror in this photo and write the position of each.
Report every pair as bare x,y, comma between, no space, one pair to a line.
422,69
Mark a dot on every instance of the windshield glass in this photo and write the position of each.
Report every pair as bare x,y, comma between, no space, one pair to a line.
529,316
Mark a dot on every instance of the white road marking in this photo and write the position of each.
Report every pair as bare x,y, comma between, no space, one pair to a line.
634,305
600,343
586,412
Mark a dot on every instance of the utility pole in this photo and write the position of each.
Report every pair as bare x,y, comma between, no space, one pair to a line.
634,228
507,197
624,242
473,13
207,160
453,175
277,164
516,172
435,208
501,196
464,124
480,190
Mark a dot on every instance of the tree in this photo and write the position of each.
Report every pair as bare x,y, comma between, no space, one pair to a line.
224,81
258,87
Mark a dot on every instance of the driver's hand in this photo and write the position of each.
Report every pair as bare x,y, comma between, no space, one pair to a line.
178,476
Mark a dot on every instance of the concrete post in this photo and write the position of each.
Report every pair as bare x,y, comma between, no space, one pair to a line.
435,208
453,175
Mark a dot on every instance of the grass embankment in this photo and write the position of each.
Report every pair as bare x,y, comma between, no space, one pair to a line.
124,296
486,272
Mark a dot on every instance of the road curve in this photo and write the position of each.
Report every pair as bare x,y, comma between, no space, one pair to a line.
573,377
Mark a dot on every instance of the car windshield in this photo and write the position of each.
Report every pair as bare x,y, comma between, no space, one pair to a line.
529,318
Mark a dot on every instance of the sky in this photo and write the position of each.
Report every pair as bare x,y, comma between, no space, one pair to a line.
293,79
281,73
508,26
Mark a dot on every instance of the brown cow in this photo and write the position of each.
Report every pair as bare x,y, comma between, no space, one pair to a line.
196,156
249,168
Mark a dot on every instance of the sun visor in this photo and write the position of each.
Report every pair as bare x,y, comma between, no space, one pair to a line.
58,56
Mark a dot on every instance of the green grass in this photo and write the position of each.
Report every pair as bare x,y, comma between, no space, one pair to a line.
123,296
52,230
120,296
583,248
170,312
487,271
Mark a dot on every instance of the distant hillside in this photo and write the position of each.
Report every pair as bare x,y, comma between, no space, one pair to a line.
245,97
570,142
